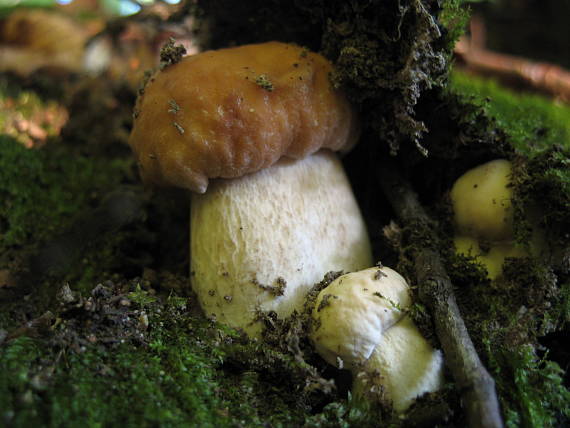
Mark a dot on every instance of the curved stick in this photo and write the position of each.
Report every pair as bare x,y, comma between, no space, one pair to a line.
476,385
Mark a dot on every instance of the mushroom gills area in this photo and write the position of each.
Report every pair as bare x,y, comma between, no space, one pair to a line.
260,242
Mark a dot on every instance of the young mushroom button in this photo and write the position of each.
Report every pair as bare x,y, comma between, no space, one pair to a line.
483,216
360,324
252,124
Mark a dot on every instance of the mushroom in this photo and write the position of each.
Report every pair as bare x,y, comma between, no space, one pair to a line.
261,121
360,323
483,216
33,39
481,201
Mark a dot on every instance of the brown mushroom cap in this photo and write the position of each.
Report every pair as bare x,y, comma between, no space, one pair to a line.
235,111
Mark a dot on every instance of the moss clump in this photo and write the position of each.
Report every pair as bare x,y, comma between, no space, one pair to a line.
506,319
544,181
124,354
387,51
537,396
42,189
171,53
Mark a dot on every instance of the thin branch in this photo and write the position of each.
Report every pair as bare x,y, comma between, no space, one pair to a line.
476,385
511,70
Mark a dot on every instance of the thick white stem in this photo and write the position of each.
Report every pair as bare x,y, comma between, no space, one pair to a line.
275,231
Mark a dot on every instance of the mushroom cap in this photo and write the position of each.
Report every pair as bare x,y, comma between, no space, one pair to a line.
235,111
481,201
352,313
31,39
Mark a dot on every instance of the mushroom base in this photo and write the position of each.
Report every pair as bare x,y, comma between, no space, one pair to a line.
406,364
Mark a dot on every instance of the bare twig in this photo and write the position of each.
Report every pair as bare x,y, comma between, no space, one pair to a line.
543,77
436,292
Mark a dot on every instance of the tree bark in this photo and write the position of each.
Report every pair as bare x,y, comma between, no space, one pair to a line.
474,382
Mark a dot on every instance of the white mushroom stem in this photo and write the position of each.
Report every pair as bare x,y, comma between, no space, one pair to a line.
407,364
360,324
259,242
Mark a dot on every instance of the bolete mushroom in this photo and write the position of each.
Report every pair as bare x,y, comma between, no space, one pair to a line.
360,324
33,39
279,212
483,216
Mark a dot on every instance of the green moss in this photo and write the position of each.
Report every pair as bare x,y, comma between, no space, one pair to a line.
128,385
538,397
50,198
532,122
42,189
97,368
16,359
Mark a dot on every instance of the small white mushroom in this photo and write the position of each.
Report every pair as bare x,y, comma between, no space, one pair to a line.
360,322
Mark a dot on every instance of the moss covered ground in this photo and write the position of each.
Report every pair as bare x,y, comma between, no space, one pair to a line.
168,368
